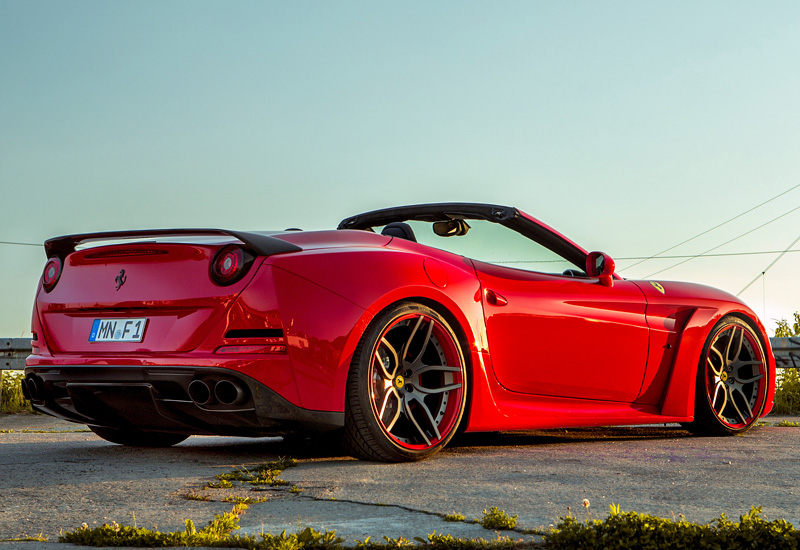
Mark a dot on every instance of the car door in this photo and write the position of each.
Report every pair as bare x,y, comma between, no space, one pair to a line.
564,336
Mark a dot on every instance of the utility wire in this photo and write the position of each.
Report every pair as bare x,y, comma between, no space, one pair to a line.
720,255
20,244
715,227
723,244
622,259
769,266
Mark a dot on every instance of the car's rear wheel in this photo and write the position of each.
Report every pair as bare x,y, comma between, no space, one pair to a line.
133,438
732,380
407,387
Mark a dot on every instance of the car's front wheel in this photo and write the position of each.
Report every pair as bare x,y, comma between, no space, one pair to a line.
133,438
732,380
407,388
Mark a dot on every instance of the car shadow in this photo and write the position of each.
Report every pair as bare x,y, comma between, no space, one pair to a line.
568,436
329,446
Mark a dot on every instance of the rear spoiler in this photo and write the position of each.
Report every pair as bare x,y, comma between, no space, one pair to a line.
260,244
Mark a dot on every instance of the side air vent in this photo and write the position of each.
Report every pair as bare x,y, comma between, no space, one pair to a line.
124,253
255,333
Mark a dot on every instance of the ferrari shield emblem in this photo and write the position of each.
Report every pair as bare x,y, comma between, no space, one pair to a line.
658,287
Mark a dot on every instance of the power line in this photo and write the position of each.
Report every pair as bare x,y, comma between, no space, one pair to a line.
621,259
20,244
770,266
720,255
715,227
726,242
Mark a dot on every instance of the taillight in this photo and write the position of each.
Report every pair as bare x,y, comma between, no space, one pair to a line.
229,265
52,271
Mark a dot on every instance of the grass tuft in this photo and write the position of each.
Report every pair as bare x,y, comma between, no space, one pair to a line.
634,530
12,399
496,519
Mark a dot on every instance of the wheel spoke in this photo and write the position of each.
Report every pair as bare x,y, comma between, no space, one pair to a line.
735,406
390,425
717,372
744,398
739,364
721,359
430,391
407,345
720,385
748,380
410,416
389,392
388,347
728,357
424,343
440,368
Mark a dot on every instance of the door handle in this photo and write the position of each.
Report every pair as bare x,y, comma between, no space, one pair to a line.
495,299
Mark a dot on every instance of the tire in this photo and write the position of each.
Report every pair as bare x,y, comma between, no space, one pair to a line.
731,380
132,438
407,387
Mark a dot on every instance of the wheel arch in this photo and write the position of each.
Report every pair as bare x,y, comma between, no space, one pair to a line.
679,395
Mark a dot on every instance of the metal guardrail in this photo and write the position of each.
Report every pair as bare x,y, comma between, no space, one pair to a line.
787,352
13,352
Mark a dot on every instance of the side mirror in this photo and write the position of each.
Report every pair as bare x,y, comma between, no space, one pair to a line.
600,265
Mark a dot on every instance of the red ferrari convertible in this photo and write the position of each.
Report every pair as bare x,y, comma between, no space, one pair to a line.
397,330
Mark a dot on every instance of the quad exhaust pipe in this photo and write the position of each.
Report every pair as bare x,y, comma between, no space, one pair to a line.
224,392
33,388
229,393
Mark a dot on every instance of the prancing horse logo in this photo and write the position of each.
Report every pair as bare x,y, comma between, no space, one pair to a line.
121,278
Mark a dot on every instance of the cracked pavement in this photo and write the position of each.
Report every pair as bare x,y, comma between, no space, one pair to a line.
60,479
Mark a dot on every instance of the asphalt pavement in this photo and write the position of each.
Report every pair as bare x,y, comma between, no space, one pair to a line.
53,478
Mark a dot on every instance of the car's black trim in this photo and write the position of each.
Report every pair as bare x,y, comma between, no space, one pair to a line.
157,399
260,244
503,215
431,213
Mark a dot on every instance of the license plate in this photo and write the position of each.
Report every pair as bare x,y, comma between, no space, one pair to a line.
117,330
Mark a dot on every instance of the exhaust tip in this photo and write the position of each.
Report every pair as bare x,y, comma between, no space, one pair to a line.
200,392
25,393
229,393
34,387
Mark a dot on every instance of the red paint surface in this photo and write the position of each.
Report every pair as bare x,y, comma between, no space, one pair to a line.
543,350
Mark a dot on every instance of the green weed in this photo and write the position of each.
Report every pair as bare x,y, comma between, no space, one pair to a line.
455,517
624,530
441,542
265,474
217,531
787,424
243,500
34,538
787,392
224,484
496,519
12,399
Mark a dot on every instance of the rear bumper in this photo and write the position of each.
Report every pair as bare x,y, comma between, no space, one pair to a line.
159,399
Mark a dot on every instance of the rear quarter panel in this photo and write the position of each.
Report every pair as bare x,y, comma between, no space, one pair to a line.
328,297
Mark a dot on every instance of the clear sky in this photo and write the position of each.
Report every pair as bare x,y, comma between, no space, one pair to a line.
629,126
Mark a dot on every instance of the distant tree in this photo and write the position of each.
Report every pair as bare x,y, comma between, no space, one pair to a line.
785,331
